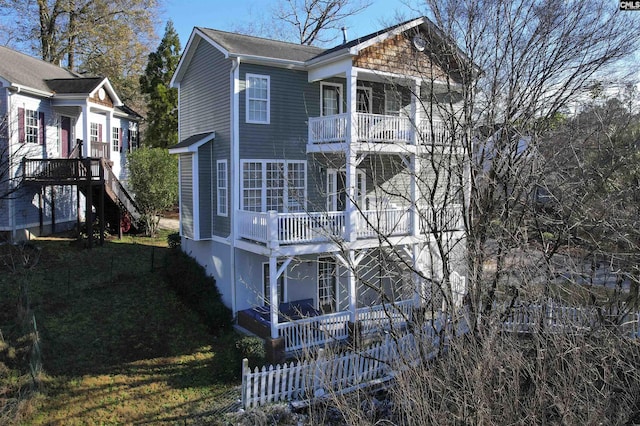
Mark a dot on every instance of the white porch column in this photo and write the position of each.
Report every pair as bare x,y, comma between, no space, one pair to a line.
351,282
418,281
86,143
350,156
414,164
109,134
416,115
273,295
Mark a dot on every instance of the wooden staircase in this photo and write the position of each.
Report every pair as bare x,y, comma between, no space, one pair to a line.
94,177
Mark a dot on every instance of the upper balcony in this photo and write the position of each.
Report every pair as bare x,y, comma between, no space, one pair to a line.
275,229
374,132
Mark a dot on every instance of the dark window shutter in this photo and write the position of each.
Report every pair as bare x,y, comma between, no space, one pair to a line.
121,141
42,137
99,132
21,133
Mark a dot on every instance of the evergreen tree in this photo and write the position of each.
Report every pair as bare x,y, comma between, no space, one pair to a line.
162,101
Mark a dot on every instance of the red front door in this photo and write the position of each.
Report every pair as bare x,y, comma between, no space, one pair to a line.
65,136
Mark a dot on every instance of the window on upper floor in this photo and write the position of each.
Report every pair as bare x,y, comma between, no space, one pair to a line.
115,139
277,185
222,185
94,132
31,126
392,102
133,139
330,98
258,99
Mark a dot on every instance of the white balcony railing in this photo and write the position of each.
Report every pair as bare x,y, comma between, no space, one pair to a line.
384,317
331,128
371,223
384,128
274,228
376,128
308,332
440,219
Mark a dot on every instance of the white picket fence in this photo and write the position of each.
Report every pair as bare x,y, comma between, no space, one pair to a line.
341,373
555,317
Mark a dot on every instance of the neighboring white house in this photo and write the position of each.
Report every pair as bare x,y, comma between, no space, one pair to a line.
48,114
301,179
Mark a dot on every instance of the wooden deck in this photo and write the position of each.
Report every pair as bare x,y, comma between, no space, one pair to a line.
93,177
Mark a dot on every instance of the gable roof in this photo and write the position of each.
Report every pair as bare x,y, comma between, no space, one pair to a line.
244,45
23,70
76,85
46,79
291,55
192,143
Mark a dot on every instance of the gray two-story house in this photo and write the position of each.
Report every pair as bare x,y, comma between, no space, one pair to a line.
302,177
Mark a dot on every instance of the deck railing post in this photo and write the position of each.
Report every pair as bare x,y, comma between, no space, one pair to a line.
272,229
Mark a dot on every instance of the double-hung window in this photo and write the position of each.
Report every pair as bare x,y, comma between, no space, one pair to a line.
277,185
31,126
331,99
258,99
94,133
223,191
115,139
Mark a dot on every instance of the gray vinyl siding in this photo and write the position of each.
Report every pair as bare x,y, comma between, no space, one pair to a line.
221,224
186,195
293,101
205,106
205,190
205,94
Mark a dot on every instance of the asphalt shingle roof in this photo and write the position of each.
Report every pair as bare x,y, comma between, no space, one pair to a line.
241,44
18,68
83,85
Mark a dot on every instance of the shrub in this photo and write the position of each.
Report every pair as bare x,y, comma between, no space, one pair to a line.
252,348
198,290
174,240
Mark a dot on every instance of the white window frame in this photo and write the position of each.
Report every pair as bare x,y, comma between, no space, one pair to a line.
93,132
31,126
369,94
328,283
115,139
340,97
222,184
395,96
260,188
266,287
332,189
249,99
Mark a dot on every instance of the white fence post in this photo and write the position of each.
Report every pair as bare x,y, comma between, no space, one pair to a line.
245,381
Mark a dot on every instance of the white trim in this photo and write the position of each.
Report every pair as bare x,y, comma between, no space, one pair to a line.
222,211
194,146
195,181
248,98
332,196
263,187
340,94
328,260
369,93
283,295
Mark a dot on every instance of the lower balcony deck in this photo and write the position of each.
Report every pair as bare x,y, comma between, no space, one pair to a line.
304,330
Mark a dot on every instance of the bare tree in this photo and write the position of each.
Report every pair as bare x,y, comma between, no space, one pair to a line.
309,22
317,21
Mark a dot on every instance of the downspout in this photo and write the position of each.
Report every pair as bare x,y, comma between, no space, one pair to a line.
234,151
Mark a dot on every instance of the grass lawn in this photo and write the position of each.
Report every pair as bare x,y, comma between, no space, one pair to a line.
118,346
